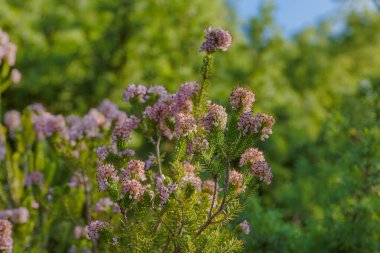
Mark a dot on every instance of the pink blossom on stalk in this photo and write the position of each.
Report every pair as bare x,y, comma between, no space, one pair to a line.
249,124
242,99
124,127
267,122
102,205
133,188
80,231
18,215
216,118
164,192
111,111
34,178
208,186
133,91
262,170
259,167
102,153
184,125
216,39
6,242
244,226
5,228
136,169
236,180
46,124
190,178
95,227
159,91
250,156
12,120
106,173
16,76
78,180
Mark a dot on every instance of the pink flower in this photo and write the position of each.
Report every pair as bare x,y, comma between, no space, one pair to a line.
133,188
34,178
242,99
106,173
95,227
133,91
102,205
236,180
250,156
184,125
12,120
208,186
164,192
216,39
244,226
216,118
136,169
16,76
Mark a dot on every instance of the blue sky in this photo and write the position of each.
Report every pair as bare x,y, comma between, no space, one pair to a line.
292,15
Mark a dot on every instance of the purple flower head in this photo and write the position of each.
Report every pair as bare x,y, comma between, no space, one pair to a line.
133,91
95,227
135,169
216,118
184,125
244,226
34,178
102,205
242,99
16,76
12,120
46,124
159,91
164,192
124,128
216,39
262,170
106,173
102,153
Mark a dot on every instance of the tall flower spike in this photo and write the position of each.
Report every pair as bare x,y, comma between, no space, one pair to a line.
216,39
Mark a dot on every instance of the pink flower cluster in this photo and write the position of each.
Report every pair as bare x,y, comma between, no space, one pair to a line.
237,181
216,39
176,108
135,169
81,232
259,167
106,174
8,50
34,178
244,226
6,241
164,192
12,120
216,118
242,100
190,178
95,227
18,215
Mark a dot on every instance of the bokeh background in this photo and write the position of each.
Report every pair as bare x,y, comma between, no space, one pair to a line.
314,65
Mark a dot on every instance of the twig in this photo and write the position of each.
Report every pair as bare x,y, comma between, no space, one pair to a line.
158,154
222,205
213,195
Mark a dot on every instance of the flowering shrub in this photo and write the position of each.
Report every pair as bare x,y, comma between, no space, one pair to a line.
195,170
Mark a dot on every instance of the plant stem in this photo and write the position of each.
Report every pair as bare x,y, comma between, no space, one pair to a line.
222,205
158,154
